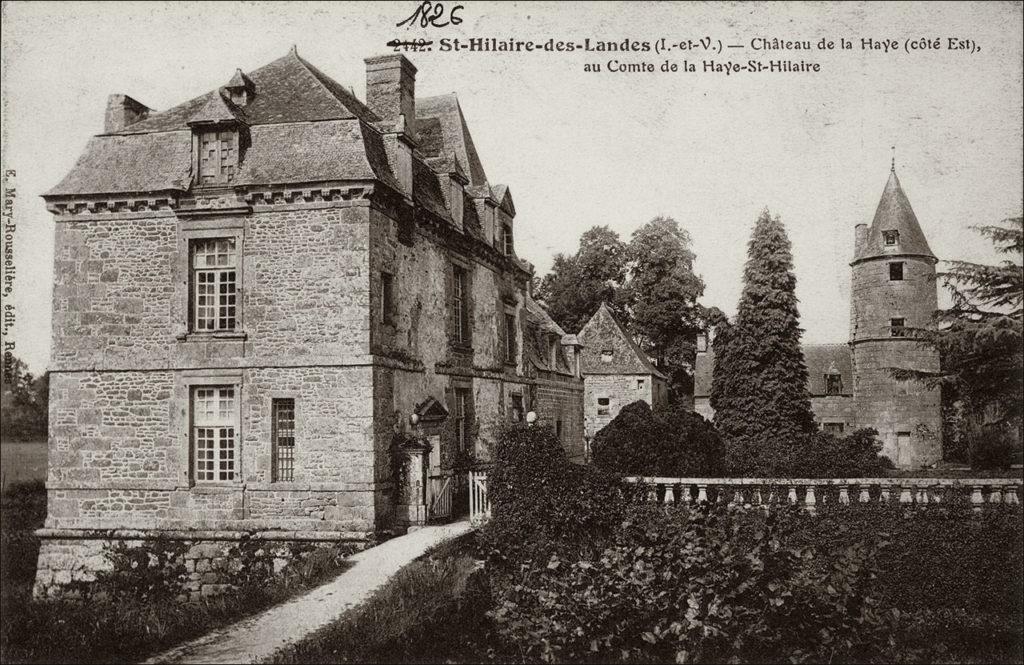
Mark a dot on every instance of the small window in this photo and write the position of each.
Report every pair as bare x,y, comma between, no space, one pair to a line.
834,428
639,384
387,282
460,306
510,338
603,406
282,436
606,356
558,429
897,328
214,288
833,384
891,237
517,408
896,271
214,433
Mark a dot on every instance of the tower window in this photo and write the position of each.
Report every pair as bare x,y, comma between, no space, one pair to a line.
387,294
896,271
890,237
833,384
897,328
603,406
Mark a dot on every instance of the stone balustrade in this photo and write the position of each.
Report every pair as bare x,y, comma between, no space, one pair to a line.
810,492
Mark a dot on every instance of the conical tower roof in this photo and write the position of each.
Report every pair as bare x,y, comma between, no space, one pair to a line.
894,214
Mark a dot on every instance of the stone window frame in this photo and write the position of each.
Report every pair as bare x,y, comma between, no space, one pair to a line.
507,242
189,231
606,408
897,271
187,382
891,238
275,446
461,310
830,387
463,419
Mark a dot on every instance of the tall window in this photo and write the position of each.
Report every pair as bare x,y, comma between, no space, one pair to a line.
387,285
833,384
461,305
506,238
897,328
896,271
461,409
558,429
213,282
214,433
510,338
891,237
282,436
218,157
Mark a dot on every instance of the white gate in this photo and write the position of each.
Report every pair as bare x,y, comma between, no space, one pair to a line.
479,504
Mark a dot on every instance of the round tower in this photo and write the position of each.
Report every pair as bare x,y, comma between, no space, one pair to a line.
894,288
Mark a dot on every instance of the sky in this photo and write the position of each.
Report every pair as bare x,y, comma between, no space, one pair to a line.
576,148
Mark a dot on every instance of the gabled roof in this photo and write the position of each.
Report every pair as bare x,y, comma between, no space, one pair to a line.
894,214
821,359
288,89
540,332
441,129
603,333
217,108
503,196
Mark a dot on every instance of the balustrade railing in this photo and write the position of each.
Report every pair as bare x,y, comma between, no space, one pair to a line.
810,492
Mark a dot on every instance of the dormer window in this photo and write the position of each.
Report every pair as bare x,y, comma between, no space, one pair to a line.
506,235
218,156
219,137
890,238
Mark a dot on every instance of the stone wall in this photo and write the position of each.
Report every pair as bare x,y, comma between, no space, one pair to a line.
621,390
835,409
560,400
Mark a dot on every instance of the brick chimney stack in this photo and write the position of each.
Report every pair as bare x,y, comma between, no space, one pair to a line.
391,89
123,111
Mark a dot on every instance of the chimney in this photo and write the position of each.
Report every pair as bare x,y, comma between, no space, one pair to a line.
860,236
123,111
391,89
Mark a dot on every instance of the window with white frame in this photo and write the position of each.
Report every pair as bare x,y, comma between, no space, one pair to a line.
215,433
214,287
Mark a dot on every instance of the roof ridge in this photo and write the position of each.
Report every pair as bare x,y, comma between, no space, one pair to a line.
361,108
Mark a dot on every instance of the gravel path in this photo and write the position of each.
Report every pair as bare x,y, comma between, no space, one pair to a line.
254,639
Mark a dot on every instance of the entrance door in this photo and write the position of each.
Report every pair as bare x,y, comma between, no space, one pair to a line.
904,455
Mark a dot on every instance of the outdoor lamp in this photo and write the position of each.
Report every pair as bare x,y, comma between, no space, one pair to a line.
531,417
414,419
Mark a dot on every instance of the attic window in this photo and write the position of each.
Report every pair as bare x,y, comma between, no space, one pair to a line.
606,356
217,158
891,237
506,235
833,384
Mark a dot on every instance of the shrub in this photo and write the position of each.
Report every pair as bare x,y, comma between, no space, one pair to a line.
823,455
664,442
540,500
710,584
152,572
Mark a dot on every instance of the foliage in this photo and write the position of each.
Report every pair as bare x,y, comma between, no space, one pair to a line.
577,284
24,401
823,455
150,572
670,441
103,630
759,383
980,340
707,585
540,501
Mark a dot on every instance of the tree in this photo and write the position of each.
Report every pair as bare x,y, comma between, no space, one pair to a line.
759,382
578,284
979,340
24,401
662,298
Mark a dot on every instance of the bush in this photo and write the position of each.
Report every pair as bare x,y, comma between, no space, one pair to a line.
823,455
708,585
153,572
667,442
541,501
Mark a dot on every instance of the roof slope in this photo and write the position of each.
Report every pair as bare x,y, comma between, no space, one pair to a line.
821,359
441,129
538,333
894,214
603,333
124,164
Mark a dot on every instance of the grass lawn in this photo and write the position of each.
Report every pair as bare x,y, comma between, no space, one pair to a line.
33,631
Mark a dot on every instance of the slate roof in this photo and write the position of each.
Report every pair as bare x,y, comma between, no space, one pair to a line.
145,163
217,108
821,359
540,330
441,129
603,332
894,214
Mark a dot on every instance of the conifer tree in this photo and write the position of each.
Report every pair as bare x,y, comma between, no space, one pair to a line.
759,385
